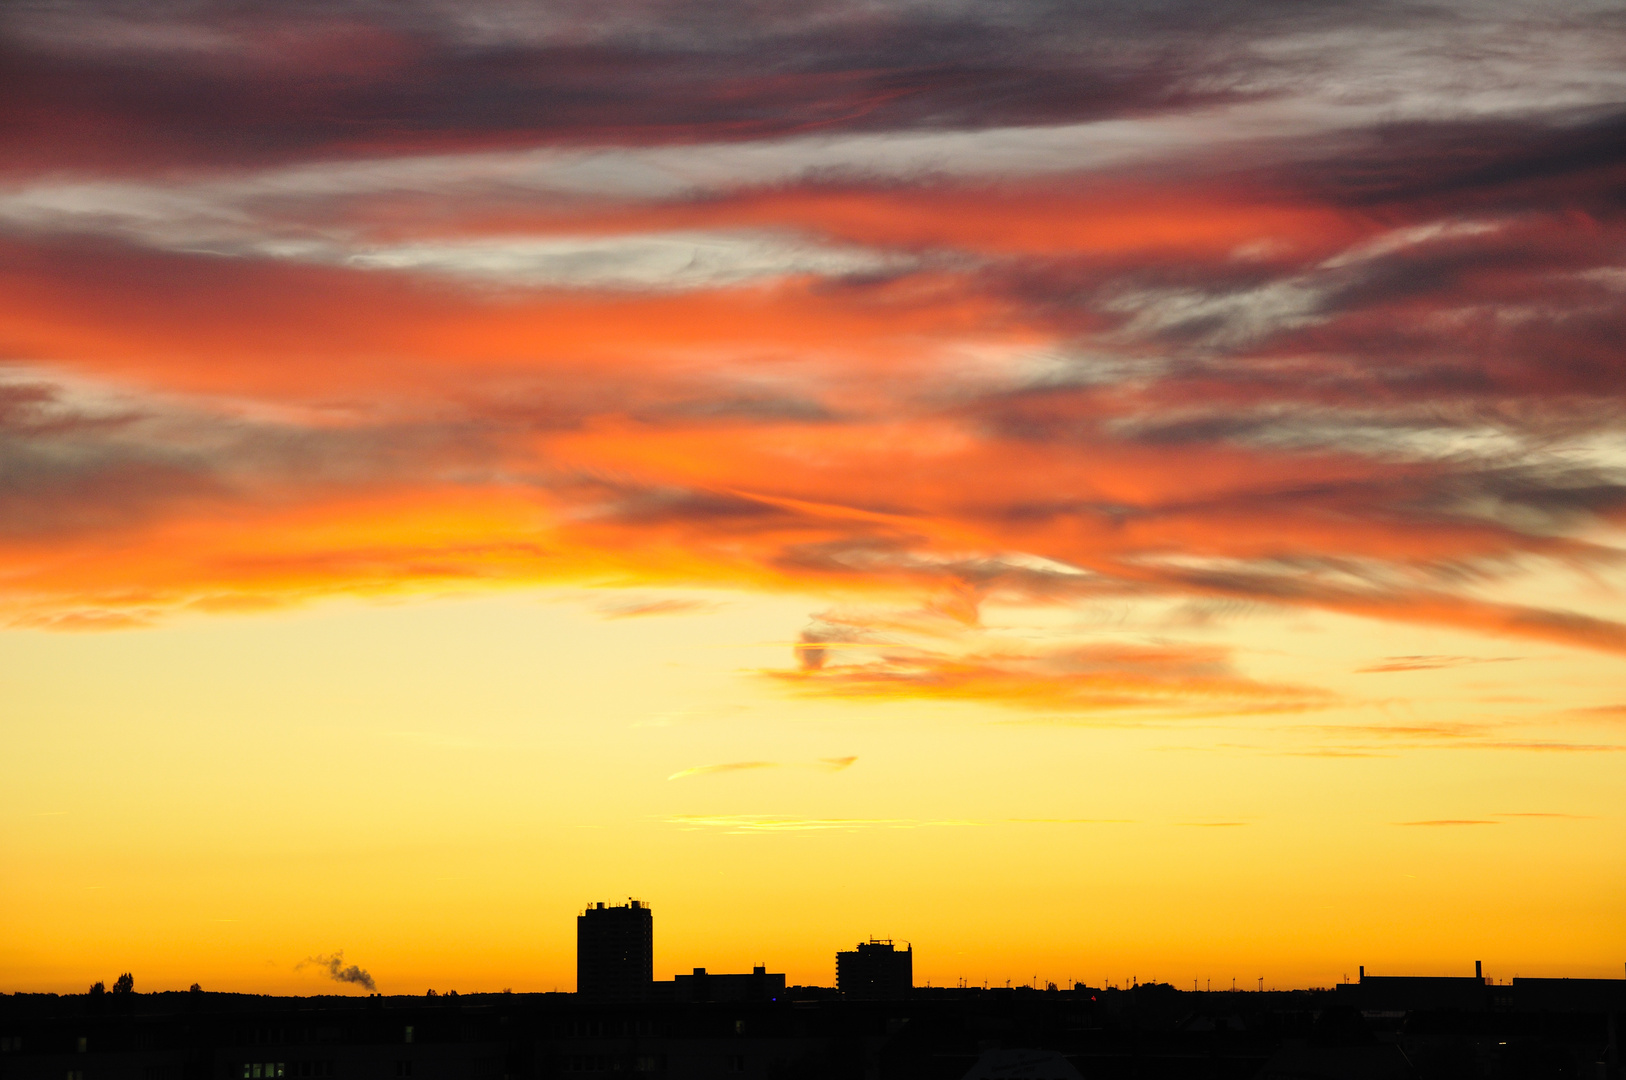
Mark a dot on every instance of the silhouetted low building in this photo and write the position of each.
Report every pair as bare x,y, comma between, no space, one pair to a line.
876,971
1406,993
1566,995
615,952
705,985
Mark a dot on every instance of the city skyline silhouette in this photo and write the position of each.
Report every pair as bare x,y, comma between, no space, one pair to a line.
904,502
873,1023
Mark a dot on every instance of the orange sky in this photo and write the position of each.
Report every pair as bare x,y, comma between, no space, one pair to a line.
1116,513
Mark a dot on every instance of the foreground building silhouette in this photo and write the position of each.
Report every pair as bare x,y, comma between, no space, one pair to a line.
1530,1029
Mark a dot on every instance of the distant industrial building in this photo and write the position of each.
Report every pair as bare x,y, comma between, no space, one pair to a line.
1396,995
615,952
705,985
1411,992
876,971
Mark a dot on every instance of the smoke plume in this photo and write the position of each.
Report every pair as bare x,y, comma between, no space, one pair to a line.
336,970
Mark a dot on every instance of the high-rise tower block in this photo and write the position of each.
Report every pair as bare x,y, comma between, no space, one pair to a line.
615,952
876,970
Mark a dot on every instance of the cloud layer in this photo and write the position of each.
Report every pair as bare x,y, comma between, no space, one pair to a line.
921,308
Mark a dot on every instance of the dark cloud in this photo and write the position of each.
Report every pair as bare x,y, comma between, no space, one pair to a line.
810,655
703,510
259,81
745,408
813,645
115,83
1491,165
66,470
77,461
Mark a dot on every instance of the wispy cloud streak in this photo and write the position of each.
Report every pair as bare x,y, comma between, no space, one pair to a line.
726,767
832,764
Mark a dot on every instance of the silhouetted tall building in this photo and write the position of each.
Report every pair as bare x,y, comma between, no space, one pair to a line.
876,970
615,952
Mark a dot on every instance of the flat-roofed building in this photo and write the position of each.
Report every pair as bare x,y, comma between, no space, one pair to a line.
703,985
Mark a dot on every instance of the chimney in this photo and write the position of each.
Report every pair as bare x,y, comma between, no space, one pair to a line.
1479,971
1363,972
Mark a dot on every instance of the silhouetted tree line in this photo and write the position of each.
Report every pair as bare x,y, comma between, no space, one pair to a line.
124,984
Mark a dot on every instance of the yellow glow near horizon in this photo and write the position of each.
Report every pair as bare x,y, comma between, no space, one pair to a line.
436,788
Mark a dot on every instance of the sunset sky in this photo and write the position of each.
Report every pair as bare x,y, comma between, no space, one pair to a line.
1094,489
